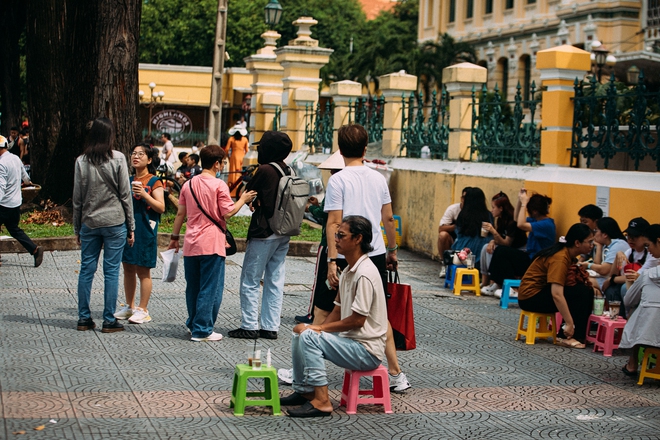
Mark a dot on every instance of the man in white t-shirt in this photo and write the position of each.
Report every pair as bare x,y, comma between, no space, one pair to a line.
12,172
167,152
359,190
446,234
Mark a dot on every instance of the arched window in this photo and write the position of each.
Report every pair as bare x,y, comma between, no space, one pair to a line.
502,76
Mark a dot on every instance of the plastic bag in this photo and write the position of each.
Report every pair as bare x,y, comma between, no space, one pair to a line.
170,265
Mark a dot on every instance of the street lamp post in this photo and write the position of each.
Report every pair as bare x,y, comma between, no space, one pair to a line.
600,57
272,13
154,98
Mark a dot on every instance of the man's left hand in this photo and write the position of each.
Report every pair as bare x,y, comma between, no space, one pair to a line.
299,328
392,262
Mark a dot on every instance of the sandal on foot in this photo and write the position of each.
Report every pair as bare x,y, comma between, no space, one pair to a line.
629,373
566,343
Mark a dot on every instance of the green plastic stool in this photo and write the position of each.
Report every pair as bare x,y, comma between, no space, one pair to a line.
240,394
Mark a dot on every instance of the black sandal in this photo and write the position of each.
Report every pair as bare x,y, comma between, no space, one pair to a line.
628,373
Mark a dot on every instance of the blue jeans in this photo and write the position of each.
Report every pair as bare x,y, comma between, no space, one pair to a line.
112,239
309,349
263,258
205,282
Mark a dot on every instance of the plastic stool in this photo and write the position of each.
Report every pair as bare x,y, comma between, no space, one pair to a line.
240,394
646,371
593,319
351,392
471,286
607,337
530,332
506,289
450,275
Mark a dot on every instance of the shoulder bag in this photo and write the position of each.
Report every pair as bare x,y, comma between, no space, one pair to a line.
231,250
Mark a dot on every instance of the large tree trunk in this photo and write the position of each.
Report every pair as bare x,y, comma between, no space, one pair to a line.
12,25
82,63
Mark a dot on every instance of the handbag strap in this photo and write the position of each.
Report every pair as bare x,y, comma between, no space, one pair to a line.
107,181
215,222
393,276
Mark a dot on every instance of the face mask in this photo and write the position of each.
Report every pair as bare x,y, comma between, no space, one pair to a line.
218,175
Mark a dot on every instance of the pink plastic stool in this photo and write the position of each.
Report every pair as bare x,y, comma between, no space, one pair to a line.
351,392
591,337
607,338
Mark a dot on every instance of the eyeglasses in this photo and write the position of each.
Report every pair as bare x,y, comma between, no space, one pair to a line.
341,235
137,154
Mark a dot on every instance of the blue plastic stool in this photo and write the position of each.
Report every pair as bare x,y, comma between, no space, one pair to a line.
450,275
506,288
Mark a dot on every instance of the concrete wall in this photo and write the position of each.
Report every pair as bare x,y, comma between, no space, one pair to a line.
422,189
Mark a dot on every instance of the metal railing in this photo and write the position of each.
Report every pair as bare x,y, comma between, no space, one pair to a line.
368,112
319,127
611,119
425,129
501,135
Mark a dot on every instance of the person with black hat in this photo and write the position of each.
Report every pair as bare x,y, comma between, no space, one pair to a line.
629,264
266,251
12,172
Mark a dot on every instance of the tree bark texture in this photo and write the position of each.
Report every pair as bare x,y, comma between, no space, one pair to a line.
12,24
82,63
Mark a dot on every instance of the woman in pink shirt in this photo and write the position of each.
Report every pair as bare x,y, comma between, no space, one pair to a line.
204,248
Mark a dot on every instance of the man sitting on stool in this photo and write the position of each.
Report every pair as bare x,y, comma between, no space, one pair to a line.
360,315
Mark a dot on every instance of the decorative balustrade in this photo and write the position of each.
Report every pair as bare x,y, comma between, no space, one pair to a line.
319,127
502,136
425,126
368,112
616,121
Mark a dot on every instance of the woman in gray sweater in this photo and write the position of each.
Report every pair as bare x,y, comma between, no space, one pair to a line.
102,217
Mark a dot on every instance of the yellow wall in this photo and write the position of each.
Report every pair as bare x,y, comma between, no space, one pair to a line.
421,197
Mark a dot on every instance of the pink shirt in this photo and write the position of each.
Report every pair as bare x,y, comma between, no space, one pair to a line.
202,236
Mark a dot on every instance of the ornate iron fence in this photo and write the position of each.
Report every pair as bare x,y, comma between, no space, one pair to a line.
276,118
368,112
500,135
425,126
616,121
319,127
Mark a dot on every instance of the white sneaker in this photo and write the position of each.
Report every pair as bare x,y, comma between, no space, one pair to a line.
498,293
212,337
285,376
398,383
124,312
489,290
140,316
443,271
513,293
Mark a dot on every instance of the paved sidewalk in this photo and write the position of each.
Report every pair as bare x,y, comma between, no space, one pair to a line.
471,380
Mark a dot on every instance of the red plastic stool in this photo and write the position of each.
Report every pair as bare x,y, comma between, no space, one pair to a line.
351,392
607,338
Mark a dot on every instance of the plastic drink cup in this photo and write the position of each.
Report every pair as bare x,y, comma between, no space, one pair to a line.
470,261
615,306
599,305
254,355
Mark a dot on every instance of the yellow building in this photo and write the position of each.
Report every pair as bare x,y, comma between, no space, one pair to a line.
186,94
507,34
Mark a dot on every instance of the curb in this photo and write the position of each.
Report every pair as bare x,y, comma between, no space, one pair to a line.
296,248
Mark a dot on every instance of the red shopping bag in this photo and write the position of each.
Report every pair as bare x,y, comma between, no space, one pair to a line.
400,312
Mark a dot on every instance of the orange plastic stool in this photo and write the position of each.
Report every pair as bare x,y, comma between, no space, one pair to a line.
546,326
351,392
651,373
472,286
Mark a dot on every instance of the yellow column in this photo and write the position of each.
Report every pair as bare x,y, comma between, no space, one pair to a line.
559,67
459,80
342,92
302,61
266,86
393,86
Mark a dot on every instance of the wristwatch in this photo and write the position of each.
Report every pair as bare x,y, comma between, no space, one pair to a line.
332,260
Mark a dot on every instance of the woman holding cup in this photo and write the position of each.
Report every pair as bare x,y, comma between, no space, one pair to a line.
469,224
138,260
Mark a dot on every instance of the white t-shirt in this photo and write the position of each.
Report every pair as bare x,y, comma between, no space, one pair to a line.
168,146
12,172
451,214
360,191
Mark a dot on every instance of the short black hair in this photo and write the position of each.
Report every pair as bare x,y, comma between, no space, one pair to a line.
592,212
210,155
194,157
14,128
167,135
182,156
352,140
